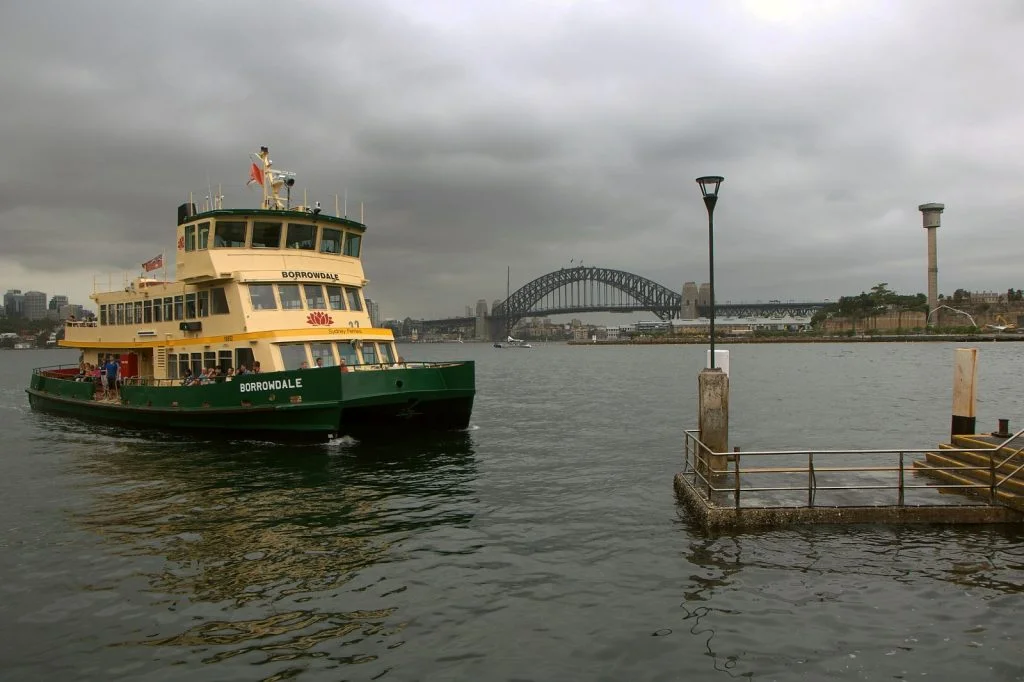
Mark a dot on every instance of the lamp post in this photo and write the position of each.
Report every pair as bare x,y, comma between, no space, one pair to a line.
709,185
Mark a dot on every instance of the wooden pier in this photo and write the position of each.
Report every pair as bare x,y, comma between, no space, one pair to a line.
974,479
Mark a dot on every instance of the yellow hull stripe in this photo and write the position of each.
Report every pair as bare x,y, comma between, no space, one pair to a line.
331,334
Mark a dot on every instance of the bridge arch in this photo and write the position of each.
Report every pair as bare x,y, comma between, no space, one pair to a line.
644,294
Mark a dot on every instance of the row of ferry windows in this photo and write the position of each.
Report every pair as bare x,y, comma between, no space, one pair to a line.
293,355
172,308
299,296
235,234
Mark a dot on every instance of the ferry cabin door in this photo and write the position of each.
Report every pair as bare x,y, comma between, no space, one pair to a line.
129,365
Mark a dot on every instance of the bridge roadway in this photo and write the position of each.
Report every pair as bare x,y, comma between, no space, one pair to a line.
723,310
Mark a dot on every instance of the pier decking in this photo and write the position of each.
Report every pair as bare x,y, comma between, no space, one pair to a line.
974,479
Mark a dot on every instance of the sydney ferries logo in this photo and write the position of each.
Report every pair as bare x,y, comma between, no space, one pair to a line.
319,319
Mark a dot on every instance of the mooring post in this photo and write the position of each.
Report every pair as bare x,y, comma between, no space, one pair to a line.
965,371
713,417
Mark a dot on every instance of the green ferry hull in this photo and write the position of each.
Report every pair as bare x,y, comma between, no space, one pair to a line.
308,405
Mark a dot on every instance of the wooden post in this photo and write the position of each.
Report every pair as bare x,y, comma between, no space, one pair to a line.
965,373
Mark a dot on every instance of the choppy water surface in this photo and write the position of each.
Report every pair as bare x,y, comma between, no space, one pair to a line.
544,544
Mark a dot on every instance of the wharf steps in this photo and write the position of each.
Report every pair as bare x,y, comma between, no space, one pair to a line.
974,479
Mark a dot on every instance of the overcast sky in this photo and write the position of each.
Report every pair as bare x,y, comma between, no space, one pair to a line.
490,133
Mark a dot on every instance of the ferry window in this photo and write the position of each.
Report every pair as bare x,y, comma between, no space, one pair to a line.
300,236
330,240
323,351
190,237
197,364
335,297
138,312
266,235
218,301
352,244
147,312
224,360
190,306
209,359
157,309
370,353
103,315
386,354
314,296
229,234
348,353
262,297
168,309
293,355
120,313
353,299
182,364
204,235
290,299
244,358
203,303
179,307
172,366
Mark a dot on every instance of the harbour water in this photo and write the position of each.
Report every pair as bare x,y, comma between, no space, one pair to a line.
544,544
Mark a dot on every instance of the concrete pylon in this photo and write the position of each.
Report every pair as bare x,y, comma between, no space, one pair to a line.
931,215
713,417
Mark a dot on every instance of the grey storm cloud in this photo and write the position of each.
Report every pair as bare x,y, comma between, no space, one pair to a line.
489,134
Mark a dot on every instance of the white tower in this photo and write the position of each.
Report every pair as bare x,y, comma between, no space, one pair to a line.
932,217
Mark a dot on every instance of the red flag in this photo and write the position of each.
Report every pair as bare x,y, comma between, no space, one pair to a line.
255,175
153,263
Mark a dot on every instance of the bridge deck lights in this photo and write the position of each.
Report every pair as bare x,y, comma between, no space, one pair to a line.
709,185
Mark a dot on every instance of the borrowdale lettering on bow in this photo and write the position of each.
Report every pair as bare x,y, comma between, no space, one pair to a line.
302,274
277,384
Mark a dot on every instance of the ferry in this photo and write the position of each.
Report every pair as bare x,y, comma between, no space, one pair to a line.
263,333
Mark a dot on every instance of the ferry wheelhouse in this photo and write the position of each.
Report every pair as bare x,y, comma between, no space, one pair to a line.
263,332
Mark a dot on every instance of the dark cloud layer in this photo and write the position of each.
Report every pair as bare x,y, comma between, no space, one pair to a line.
480,135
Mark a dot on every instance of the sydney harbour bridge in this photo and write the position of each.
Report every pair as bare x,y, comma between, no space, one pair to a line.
595,289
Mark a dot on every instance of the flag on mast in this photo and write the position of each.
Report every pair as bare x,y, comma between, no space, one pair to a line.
255,175
153,263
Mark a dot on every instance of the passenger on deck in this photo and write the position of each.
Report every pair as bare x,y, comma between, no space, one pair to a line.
319,362
344,367
112,368
303,365
186,378
256,367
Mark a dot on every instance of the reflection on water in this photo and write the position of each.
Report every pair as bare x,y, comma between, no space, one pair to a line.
244,534
845,589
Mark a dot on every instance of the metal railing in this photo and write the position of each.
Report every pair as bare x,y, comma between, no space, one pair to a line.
699,465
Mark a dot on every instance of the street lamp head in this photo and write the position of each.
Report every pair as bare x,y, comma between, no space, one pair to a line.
709,185
709,188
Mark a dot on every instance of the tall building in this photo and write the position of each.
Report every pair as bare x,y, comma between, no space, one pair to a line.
374,311
14,303
56,301
69,309
35,305
469,311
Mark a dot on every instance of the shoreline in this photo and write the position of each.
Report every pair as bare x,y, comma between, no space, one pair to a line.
879,338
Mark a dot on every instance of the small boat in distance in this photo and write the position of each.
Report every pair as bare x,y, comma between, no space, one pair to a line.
512,343
263,333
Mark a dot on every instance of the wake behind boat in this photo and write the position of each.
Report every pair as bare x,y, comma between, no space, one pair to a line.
263,333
